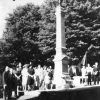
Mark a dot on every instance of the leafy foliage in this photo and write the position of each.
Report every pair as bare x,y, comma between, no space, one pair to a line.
83,29
21,33
47,31
30,32
30,35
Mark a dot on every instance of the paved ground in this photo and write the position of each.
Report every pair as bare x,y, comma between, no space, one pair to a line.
32,94
27,95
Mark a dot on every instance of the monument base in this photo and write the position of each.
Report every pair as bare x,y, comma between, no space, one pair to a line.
61,75
61,78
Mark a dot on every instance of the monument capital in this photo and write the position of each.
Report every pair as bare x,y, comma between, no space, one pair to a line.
63,3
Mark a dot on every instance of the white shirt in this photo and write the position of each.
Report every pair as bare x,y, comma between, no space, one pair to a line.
83,70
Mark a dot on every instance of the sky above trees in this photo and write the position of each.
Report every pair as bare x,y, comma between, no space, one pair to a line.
7,6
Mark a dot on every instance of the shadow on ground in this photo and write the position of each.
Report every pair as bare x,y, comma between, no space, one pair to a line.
87,93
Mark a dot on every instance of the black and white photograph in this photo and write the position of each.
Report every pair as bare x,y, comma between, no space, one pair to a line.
49,49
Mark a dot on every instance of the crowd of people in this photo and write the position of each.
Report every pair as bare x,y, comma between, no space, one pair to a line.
92,74
89,75
26,78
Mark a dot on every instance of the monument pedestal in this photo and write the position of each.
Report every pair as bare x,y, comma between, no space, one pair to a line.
61,71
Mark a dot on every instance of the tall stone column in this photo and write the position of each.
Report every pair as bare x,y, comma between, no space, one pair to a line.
60,59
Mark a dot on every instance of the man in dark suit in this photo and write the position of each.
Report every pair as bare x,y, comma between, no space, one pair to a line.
5,82
30,81
96,73
11,83
8,83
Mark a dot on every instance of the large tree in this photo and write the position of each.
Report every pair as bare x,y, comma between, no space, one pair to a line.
21,33
47,32
30,32
83,29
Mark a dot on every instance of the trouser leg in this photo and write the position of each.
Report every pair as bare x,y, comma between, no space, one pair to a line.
80,80
16,91
97,80
9,93
88,80
94,80
4,94
83,80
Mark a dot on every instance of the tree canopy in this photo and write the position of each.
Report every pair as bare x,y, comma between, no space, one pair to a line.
83,29
30,35
21,33
30,32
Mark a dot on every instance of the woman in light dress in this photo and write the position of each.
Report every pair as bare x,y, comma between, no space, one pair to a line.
24,76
